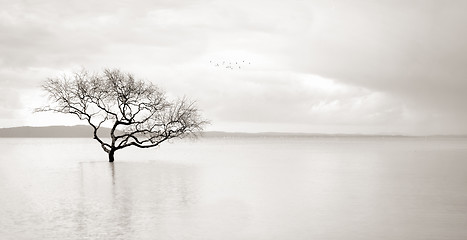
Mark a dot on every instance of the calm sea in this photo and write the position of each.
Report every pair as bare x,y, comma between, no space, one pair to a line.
237,188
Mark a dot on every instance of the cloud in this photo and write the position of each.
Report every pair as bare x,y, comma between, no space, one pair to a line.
414,51
267,98
365,64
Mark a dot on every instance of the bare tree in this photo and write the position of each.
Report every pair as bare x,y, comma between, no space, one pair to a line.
138,113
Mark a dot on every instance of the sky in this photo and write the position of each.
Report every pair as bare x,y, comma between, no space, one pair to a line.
315,66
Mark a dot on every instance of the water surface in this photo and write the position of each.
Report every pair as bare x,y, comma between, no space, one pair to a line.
240,188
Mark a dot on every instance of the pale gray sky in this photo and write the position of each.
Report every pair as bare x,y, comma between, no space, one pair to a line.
365,66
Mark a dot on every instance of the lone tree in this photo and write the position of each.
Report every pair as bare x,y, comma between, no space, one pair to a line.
138,113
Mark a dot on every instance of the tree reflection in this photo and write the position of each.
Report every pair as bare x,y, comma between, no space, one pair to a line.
120,198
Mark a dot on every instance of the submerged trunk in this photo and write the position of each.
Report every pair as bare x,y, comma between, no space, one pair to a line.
111,155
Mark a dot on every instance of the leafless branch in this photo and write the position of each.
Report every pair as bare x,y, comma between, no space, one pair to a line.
138,112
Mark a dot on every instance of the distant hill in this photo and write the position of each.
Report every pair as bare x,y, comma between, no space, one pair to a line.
85,131
52,132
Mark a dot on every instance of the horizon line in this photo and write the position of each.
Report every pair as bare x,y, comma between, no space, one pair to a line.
290,134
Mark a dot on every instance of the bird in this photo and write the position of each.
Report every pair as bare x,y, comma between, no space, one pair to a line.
229,64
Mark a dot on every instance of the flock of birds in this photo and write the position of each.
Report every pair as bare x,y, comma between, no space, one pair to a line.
230,64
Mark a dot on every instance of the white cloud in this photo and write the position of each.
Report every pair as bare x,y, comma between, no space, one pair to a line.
395,64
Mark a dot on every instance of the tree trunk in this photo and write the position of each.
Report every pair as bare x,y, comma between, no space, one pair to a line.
111,155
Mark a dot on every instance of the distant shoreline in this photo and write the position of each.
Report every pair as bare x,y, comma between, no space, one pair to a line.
83,131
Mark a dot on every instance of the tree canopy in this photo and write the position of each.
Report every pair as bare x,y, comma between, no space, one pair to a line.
138,113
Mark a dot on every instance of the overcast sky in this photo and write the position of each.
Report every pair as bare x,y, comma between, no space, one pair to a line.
363,66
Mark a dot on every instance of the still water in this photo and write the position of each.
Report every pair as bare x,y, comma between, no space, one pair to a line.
239,188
